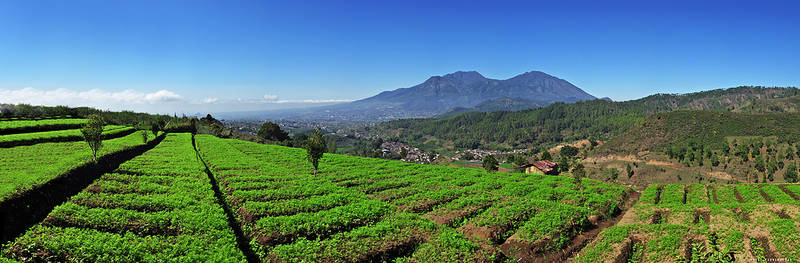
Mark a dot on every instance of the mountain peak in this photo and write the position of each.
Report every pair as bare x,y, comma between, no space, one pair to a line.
469,88
532,74
465,76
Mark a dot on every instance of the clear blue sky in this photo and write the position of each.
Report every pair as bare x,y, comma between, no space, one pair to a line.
210,55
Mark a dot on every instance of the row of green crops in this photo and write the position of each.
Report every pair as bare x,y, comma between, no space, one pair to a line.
362,209
60,135
15,126
157,207
25,167
706,223
703,194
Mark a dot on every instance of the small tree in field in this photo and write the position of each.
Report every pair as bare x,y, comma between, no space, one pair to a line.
155,128
490,163
579,173
144,136
93,134
315,147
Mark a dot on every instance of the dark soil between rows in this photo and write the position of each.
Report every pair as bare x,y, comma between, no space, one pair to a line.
769,254
766,196
626,255
790,193
738,196
241,240
703,215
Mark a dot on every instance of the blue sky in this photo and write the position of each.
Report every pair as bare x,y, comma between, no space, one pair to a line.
201,56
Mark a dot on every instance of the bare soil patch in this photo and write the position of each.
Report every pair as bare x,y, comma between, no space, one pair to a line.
741,214
658,217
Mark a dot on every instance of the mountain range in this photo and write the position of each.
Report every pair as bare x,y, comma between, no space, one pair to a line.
455,92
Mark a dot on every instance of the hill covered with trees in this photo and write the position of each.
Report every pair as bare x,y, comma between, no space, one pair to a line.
563,122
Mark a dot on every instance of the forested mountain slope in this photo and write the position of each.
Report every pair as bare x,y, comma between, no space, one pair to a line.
596,119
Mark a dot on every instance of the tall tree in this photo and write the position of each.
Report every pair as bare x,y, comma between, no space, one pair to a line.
546,156
155,128
568,151
315,147
144,136
520,162
93,134
270,131
790,175
578,172
490,163
629,170
331,144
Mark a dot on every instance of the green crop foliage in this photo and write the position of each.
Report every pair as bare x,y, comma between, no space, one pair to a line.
157,207
730,224
357,209
61,135
25,167
41,124
672,194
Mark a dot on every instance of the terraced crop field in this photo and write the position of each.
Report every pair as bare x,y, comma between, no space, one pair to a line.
705,223
18,139
158,207
24,167
364,210
186,198
22,126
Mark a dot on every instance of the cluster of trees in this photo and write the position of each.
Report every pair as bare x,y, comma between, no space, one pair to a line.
550,125
765,156
560,122
692,152
112,117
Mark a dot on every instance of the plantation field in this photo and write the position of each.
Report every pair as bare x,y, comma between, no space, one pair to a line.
19,126
705,223
202,198
157,207
24,167
362,210
10,140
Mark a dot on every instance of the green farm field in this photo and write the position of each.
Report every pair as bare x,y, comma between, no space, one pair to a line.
705,223
199,198
361,209
25,167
